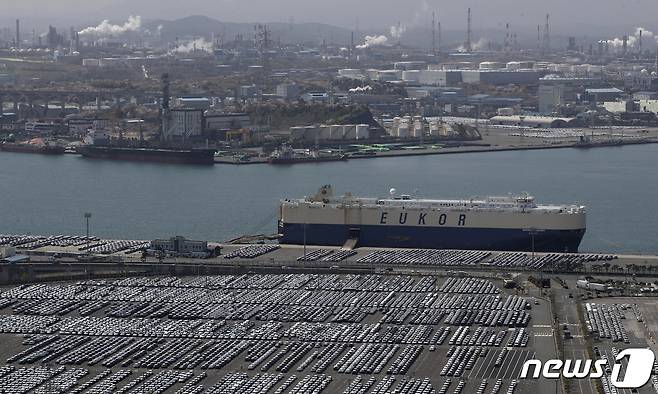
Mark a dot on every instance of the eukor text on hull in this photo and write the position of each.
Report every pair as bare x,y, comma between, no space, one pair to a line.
492,223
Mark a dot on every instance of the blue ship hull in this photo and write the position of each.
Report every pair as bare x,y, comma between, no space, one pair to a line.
431,237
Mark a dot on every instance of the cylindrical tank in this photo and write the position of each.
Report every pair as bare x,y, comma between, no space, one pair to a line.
491,65
297,133
403,128
435,128
336,132
362,132
324,132
513,65
349,132
411,76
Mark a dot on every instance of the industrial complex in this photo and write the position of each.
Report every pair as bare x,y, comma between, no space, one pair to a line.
342,294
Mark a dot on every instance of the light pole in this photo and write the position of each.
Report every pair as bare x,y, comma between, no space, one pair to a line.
87,217
304,228
532,232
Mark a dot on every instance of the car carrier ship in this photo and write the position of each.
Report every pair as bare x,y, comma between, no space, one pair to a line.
511,223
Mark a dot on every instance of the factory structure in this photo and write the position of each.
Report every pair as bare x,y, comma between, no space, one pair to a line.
389,86
330,133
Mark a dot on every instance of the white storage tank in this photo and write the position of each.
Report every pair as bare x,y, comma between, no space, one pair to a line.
297,133
311,133
491,66
336,132
435,128
325,132
91,62
411,76
418,130
362,132
505,111
594,69
513,65
561,68
349,132
580,69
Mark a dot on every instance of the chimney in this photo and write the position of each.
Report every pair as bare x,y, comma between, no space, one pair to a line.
18,33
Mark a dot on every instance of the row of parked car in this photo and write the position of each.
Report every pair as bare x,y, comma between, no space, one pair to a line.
605,321
427,257
251,251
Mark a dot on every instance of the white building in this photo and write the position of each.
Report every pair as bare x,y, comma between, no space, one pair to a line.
288,91
186,123
550,98
649,106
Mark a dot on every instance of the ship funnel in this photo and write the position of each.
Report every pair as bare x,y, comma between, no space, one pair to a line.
324,193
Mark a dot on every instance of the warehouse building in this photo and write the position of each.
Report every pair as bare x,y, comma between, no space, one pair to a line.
550,98
500,77
180,246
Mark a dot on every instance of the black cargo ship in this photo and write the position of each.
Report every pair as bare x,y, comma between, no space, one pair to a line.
161,155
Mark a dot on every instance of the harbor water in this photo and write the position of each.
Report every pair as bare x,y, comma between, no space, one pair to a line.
49,194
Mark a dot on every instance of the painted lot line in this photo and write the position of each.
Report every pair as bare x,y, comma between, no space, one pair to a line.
516,364
483,362
487,368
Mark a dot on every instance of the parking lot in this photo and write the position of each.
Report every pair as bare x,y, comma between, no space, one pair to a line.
270,333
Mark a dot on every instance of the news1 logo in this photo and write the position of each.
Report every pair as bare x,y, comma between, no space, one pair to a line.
638,370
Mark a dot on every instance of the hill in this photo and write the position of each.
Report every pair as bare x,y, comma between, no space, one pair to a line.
203,26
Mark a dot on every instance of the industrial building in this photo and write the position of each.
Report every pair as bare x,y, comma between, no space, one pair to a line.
326,133
649,106
288,91
500,77
193,102
186,123
619,106
216,121
599,95
181,246
549,98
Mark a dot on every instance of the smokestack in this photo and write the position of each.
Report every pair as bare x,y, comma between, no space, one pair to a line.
538,37
352,46
18,33
438,27
433,33
164,108
399,34
640,43
625,45
547,34
507,37
468,31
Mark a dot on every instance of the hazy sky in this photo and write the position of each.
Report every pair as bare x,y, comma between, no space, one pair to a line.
565,14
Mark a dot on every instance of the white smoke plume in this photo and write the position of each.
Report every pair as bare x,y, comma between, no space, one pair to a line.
398,31
475,46
361,89
633,39
197,45
105,28
373,41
